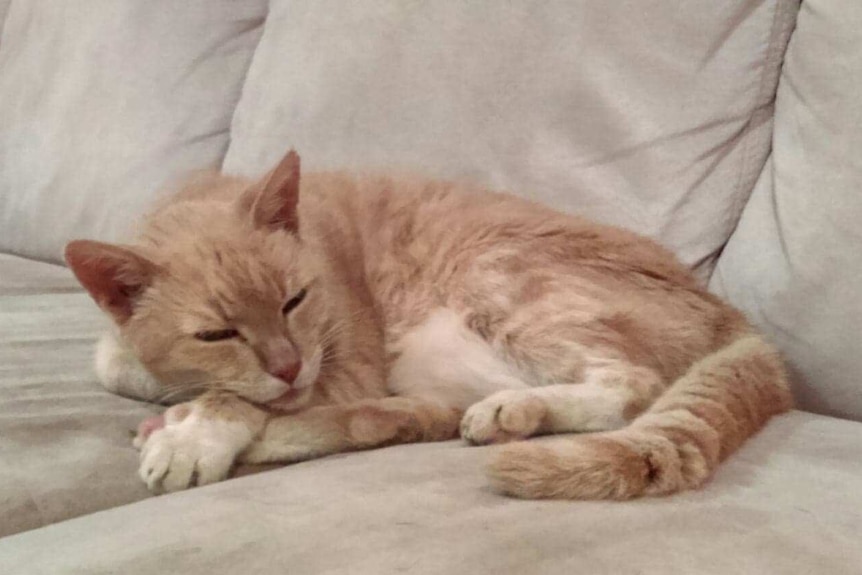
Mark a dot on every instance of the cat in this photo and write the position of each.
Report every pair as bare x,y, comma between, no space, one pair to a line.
367,310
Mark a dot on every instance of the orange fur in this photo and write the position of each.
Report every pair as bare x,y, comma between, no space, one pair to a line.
453,298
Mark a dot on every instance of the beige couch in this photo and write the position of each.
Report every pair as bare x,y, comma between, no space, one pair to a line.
730,131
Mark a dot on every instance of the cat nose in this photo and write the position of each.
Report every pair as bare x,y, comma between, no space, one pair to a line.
289,372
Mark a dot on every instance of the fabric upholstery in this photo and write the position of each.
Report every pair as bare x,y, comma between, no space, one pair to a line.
790,502
4,8
65,448
652,114
103,101
20,276
795,263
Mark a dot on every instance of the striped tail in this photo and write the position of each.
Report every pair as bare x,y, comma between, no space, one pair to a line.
675,445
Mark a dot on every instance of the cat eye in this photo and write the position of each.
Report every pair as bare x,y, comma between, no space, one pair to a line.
217,335
294,302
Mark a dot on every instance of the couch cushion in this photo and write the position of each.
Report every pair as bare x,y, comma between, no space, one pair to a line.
790,502
65,448
20,276
651,114
4,8
102,101
795,263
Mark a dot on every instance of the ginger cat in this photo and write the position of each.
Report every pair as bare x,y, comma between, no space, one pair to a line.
345,312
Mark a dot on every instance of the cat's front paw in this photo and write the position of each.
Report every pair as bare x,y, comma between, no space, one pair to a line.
503,416
196,450
150,425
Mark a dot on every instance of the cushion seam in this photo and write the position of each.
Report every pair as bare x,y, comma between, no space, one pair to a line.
776,34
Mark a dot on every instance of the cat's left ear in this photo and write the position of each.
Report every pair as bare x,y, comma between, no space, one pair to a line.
274,200
115,276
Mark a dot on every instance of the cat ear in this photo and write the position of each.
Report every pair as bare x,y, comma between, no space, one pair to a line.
275,199
114,276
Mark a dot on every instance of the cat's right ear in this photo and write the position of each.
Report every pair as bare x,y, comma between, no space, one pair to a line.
115,276
274,200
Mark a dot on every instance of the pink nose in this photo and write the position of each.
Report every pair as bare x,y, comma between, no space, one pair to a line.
289,372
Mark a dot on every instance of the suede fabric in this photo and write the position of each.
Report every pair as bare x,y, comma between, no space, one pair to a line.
790,502
104,102
4,8
794,264
654,115
65,444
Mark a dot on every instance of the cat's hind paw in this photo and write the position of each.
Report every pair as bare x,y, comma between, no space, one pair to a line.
504,416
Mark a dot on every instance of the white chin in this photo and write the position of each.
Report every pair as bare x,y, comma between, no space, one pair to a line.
266,389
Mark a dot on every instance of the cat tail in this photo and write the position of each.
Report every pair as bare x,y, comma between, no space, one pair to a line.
676,444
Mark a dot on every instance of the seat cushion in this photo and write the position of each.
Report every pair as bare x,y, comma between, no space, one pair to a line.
794,264
790,502
652,114
65,446
102,102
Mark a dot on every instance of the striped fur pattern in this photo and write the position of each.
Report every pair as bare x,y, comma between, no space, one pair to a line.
405,310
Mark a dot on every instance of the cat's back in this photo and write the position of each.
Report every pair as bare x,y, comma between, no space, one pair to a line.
490,257
435,224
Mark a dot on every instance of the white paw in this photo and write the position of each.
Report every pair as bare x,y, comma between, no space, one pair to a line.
194,451
504,416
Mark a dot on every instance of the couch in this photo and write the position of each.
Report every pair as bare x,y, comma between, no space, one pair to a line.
729,131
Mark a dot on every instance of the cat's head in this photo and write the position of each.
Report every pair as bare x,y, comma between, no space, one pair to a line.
225,295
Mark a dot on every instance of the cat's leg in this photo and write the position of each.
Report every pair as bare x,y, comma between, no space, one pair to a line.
324,430
609,397
198,442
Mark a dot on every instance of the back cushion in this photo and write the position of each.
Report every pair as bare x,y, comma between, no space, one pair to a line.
653,114
102,101
795,262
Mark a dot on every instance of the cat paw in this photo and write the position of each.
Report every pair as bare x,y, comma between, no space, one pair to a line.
148,426
192,451
504,416
146,429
